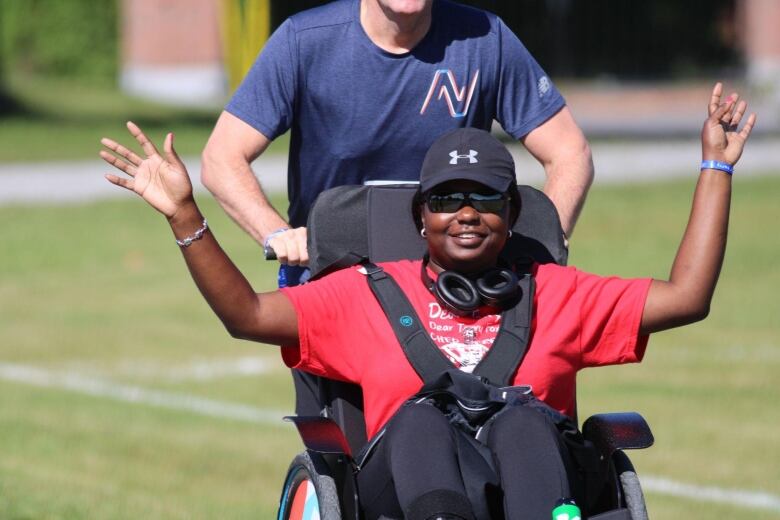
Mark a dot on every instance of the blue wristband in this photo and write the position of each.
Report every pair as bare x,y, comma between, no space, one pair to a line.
718,165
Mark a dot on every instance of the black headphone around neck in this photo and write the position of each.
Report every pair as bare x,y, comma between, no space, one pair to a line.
462,295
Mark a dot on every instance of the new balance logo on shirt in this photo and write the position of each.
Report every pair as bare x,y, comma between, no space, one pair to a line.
446,86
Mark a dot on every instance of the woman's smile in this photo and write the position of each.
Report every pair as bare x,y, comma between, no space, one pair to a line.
469,239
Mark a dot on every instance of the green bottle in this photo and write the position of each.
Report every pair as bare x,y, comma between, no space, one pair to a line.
566,509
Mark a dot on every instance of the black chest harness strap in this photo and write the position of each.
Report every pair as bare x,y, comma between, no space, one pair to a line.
499,364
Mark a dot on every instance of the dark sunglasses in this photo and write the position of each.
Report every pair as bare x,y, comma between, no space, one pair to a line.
452,202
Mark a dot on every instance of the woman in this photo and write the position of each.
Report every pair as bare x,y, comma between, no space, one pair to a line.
335,327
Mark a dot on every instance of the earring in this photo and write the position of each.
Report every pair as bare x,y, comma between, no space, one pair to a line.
509,234
423,233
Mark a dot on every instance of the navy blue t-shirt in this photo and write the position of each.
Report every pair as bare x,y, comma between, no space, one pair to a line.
359,113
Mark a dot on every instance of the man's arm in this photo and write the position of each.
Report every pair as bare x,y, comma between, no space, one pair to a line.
227,174
561,148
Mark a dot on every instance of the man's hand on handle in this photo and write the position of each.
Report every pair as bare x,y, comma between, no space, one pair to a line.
289,246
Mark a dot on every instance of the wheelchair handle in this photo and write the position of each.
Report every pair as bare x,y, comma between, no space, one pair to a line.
269,252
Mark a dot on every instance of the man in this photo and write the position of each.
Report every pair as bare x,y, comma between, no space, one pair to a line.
366,86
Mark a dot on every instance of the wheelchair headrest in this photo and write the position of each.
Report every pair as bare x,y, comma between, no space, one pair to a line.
349,224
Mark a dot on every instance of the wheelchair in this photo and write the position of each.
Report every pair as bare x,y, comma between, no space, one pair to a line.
320,482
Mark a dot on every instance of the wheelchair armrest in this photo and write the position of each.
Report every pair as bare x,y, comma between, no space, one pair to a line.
617,431
321,435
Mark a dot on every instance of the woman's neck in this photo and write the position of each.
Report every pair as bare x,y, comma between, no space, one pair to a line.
466,270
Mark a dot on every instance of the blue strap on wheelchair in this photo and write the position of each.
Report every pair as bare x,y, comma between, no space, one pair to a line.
499,364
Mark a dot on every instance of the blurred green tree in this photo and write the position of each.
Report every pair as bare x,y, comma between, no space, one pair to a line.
7,103
77,38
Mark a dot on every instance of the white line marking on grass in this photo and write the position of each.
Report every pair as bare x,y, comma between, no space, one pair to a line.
734,497
204,370
199,369
135,394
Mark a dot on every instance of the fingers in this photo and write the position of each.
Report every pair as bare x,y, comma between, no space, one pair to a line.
118,163
732,101
730,112
170,153
122,151
722,114
120,181
290,247
749,124
717,91
147,146
736,116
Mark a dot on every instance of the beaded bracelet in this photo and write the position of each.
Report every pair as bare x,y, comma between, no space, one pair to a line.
187,241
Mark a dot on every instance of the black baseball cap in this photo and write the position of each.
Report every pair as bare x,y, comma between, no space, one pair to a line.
468,154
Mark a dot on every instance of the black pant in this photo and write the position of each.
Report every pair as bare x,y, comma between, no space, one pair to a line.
415,469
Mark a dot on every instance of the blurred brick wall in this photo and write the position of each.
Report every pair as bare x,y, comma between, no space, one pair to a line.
171,50
761,39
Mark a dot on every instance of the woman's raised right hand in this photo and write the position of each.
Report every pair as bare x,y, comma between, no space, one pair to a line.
163,182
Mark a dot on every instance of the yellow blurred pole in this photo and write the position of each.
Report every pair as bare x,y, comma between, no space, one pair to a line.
246,25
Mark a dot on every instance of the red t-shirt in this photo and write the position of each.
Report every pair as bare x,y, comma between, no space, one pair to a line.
580,320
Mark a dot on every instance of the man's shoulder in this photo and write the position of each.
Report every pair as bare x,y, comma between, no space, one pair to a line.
334,13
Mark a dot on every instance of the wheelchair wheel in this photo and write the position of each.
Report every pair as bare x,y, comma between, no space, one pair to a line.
629,482
309,491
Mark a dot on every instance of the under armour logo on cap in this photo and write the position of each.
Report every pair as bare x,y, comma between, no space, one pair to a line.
471,156
454,157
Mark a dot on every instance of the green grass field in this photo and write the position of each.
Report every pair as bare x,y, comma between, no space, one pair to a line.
96,294
64,120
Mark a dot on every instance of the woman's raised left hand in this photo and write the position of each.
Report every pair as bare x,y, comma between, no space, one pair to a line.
163,182
721,137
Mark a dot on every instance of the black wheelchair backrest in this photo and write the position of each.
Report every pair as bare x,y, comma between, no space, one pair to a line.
353,223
